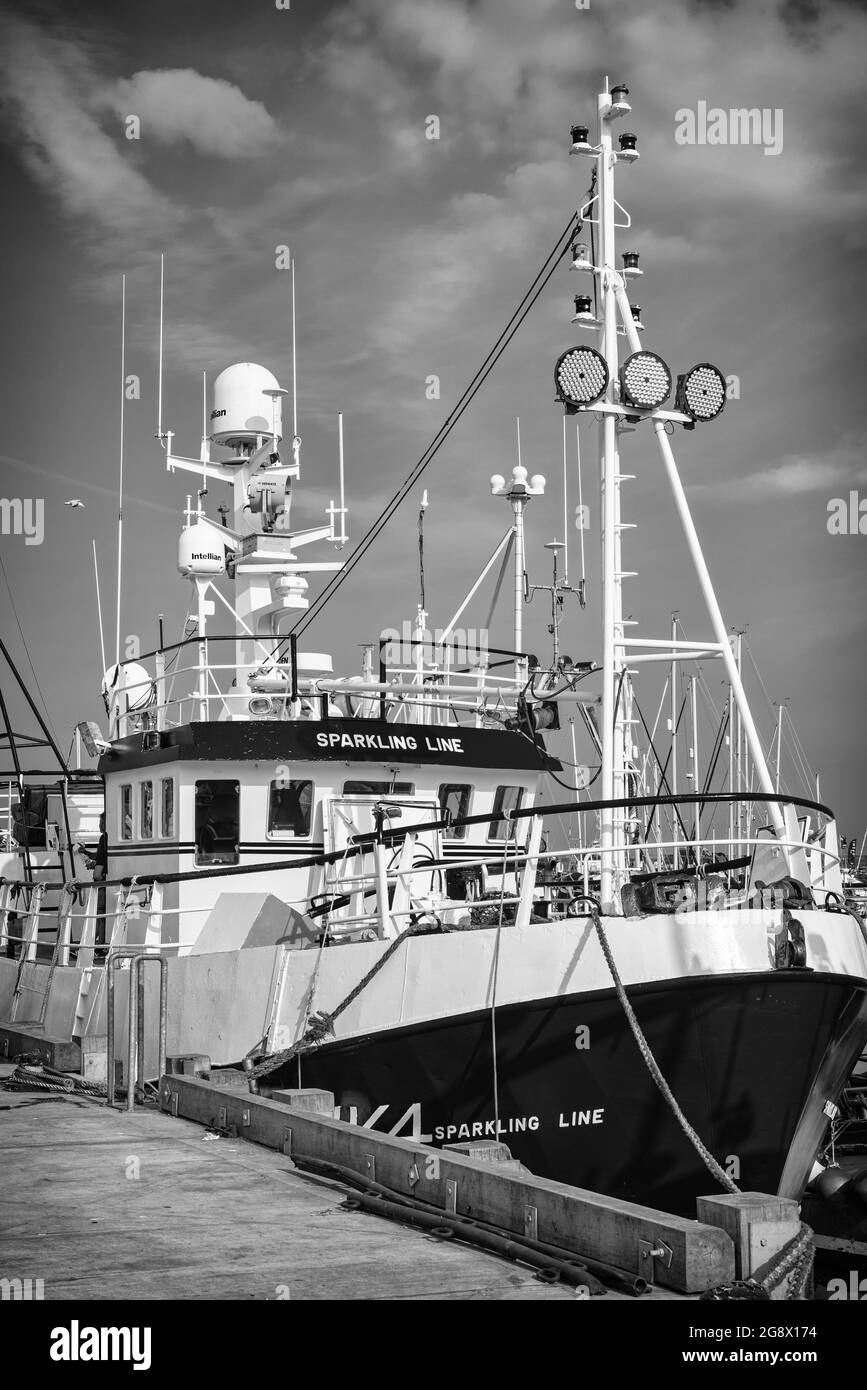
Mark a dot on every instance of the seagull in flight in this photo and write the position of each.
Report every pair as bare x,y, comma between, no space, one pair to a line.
75,502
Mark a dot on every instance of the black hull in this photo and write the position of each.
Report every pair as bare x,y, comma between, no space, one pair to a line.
742,1054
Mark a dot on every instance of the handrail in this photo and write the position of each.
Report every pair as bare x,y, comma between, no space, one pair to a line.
241,636
362,843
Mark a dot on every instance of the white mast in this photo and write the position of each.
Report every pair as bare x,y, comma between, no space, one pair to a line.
565,508
695,773
520,564
673,779
616,702
752,740
613,779
517,492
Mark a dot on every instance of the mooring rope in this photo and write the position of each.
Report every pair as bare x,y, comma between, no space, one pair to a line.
653,1067
795,1260
32,1076
321,1024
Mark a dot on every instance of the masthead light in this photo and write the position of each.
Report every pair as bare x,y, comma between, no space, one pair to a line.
701,392
583,312
580,140
630,265
619,103
580,257
580,376
627,148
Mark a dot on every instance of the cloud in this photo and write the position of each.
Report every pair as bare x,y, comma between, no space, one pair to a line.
180,104
795,475
60,142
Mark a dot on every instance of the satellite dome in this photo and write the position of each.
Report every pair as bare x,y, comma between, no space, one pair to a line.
200,552
242,412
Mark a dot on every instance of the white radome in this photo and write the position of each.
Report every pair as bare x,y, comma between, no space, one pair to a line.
241,411
200,552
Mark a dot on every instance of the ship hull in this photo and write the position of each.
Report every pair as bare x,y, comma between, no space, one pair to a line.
751,1059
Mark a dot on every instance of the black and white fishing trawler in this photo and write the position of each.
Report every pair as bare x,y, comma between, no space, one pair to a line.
356,880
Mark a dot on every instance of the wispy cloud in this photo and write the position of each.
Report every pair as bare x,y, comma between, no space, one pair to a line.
795,475
176,105
44,77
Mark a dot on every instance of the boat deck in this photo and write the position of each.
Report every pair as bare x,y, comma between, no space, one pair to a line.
101,1204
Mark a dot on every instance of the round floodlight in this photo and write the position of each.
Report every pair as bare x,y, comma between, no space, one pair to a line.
645,381
580,376
701,392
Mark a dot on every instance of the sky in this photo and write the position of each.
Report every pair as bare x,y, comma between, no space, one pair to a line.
262,125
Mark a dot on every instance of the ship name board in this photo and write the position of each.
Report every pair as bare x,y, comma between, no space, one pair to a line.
391,743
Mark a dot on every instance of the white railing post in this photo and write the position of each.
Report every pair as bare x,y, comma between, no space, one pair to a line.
5,909
31,923
87,939
68,894
528,878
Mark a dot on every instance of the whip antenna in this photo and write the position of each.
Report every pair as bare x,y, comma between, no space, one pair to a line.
160,352
120,477
99,608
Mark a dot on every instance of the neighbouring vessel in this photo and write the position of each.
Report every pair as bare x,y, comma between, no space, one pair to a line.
363,883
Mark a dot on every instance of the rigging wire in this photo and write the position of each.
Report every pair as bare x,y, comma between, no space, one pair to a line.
471,390
662,770
27,649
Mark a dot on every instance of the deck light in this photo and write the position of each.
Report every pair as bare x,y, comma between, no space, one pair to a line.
627,148
701,392
580,142
645,381
630,265
580,376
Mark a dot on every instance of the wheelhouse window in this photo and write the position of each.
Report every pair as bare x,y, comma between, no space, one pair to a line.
126,812
290,805
146,811
379,789
506,801
218,822
167,808
454,798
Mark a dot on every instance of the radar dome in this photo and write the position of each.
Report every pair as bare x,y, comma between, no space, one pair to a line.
241,410
199,551
128,686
